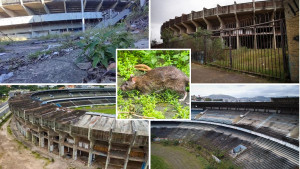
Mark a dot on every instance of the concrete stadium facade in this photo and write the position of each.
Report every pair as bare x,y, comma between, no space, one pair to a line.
33,18
223,18
98,140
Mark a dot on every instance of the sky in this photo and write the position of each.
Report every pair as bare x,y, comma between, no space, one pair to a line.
246,90
163,10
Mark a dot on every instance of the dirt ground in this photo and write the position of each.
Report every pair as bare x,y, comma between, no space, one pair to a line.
14,155
206,74
176,157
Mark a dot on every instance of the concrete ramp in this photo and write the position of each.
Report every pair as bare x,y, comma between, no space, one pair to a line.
114,20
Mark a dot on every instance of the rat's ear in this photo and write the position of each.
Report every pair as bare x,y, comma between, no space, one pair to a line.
133,79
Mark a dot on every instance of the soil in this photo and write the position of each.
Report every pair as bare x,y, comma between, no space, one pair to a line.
206,74
14,155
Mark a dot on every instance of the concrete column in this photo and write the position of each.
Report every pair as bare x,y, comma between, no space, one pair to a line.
273,28
109,147
181,30
197,25
75,148
61,145
291,12
254,22
28,136
28,11
176,32
41,140
90,160
188,28
99,6
237,22
33,139
129,150
50,142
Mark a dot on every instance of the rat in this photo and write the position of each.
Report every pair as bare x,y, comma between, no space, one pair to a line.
158,79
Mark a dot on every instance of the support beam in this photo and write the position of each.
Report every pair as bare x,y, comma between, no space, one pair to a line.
41,140
7,11
61,144
208,24
75,148
90,160
84,4
197,25
129,150
189,29
237,23
109,147
65,6
99,6
115,4
181,30
28,11
45,7
176,32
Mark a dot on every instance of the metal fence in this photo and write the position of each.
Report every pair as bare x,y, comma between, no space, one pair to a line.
256,46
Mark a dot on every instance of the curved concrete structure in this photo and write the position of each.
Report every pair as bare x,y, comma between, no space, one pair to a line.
32,18
229,17
96,139
262,151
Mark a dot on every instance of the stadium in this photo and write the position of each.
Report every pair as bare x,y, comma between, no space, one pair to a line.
34,18
250,134
255,37
46,120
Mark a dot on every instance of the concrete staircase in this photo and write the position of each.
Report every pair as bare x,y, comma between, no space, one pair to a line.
113,20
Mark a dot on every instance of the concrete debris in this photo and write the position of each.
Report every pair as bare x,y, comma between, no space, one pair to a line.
100,75
52,46
55,54
84,66
2,54
143,43
81,38
6,76
67,50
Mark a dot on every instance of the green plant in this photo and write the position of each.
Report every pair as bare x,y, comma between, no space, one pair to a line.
102,47
9,130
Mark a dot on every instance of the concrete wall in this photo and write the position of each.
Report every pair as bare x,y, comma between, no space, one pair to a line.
291,11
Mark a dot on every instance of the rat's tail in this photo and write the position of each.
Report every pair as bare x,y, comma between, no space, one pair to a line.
142,67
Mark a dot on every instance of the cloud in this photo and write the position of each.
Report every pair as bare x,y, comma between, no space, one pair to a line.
246,90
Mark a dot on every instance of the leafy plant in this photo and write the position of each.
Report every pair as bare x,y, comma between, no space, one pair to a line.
101,48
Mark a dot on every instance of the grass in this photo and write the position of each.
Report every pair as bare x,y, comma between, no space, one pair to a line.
203,154
5,120
158,163
99,109
261,61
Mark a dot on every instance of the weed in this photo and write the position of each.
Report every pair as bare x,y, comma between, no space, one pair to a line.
9,130
34,56
101,48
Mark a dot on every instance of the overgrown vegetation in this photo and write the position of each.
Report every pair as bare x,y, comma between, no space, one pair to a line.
132,104
101,47
203,153
158,163
9,130
5,120
99,109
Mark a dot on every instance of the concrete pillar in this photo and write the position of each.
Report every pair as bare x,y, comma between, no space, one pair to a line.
32,139
188,28
90,160
273,28
208,24
109,147
28,134
41,140
237,23
181,30
197,25
291,12
176,32
254,22
61,145
75,148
